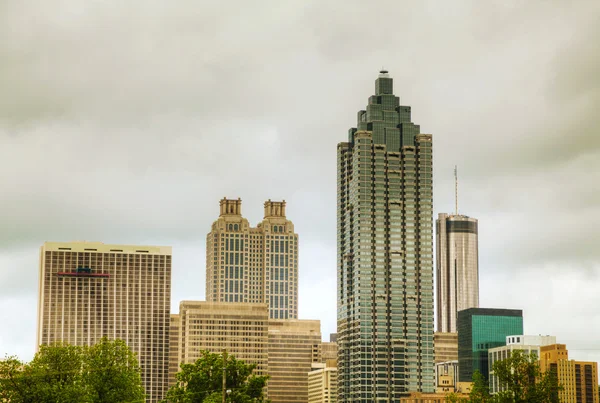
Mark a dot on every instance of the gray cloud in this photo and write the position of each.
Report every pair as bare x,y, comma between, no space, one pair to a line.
127,123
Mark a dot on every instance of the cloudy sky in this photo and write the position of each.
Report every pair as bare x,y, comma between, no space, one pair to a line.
126,122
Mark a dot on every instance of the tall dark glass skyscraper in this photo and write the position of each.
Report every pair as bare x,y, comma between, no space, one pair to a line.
385,254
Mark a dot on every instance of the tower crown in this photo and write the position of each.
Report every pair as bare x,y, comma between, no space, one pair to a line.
230,206
384,84
274,209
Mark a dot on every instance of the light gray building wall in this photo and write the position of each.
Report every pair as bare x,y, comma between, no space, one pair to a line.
529,344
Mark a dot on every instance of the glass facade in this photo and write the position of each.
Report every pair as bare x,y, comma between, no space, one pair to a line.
385,254
480,329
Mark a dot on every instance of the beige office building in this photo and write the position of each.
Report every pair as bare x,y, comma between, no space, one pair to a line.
322,383
239,328
328,351
445,347
88,290
457,268
579,379
174,336
253,265
293,348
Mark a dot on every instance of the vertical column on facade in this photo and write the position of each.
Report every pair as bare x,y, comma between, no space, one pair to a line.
411,256
362,350
395,263
381,271
425,268
343,261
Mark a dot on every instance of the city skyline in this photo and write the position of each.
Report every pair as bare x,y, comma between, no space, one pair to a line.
99,122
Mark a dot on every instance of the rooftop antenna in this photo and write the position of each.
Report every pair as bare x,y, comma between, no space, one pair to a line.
455,190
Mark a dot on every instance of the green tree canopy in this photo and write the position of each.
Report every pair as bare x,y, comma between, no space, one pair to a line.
62,373
202,381
112,373
521,379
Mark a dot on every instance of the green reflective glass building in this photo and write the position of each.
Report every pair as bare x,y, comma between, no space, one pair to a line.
385,254
480,329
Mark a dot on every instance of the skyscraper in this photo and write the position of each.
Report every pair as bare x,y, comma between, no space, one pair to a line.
457,268
385,254
256,265
89,290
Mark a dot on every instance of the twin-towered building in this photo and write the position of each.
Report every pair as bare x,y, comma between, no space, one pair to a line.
91,290
253,264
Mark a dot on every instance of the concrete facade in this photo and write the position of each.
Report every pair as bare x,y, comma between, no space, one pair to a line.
88,290
293,348
579,379
526,343
446,376
322,384
239,328
445,346
457,268
253,264
174,337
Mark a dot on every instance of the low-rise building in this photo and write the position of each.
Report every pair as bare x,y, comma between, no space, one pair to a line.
322,383
293,346
526,343
579,379
446,376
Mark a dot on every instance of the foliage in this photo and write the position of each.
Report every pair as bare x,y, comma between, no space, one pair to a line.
112,373
202,381
62,373
480,392
454,398
524,382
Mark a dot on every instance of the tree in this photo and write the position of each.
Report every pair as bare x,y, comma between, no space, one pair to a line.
480,392
62,373
454,398
112,373
202,381
523,380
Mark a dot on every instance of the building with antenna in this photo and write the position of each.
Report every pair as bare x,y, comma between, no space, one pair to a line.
457,265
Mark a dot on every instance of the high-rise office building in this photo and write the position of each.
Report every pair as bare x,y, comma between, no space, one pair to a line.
480,329
255,265
293,348
579,379
525,343
239,328
457,268
385,253
174,337
89,290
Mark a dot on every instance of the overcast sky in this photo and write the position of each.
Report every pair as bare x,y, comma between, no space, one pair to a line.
128,121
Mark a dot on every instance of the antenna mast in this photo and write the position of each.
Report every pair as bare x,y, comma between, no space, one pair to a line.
455,190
